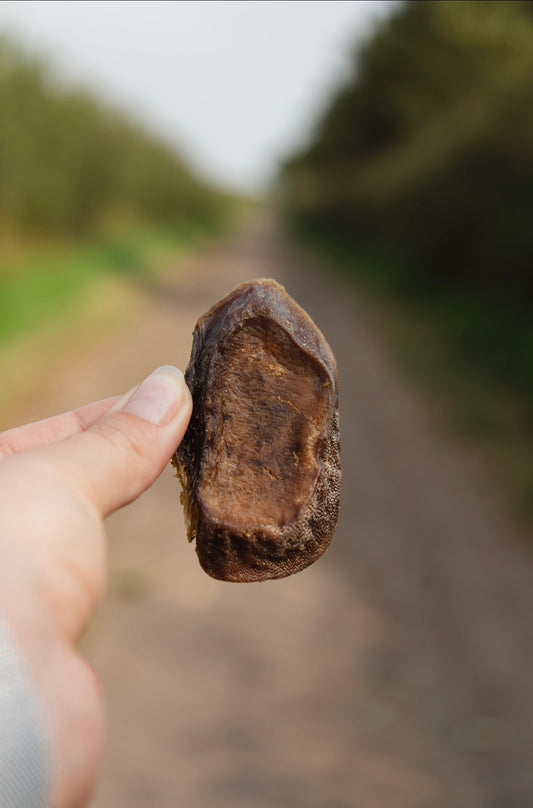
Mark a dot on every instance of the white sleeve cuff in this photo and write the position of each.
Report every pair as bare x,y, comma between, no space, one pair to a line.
24,759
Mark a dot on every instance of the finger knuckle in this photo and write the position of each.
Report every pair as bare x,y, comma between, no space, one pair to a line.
130,443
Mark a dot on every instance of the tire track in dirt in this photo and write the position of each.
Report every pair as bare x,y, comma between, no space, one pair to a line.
436,549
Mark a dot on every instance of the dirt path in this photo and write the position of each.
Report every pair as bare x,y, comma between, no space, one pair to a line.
396,672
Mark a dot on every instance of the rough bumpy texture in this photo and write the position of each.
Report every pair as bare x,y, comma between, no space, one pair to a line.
260,463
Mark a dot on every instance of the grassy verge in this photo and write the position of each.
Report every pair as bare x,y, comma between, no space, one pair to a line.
40,284
55,298
475,357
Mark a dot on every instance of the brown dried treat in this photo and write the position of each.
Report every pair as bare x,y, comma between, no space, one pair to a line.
260,462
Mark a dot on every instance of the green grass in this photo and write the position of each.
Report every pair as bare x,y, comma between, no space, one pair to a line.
41,284
56,299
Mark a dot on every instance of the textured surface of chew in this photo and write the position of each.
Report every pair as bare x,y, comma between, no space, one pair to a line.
260,463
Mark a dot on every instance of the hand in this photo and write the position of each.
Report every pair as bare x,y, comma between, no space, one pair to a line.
59,478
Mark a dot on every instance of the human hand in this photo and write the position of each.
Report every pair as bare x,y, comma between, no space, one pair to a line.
59,478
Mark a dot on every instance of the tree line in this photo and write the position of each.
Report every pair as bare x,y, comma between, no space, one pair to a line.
70,164
424,157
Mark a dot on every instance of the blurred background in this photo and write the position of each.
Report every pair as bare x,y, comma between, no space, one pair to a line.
376,158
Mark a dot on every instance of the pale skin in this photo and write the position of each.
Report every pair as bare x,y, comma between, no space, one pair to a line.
59,479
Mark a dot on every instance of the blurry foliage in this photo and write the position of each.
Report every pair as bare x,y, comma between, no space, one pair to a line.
421,169
69,165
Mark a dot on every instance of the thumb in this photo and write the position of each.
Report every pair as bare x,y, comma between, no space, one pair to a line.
121,454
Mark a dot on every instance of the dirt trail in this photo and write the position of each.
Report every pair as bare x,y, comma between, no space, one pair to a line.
398,671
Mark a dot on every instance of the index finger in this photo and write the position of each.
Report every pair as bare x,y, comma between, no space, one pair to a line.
50,430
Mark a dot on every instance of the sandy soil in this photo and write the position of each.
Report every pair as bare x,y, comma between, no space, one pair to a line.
397,671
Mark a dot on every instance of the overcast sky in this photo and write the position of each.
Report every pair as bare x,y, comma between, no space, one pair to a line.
237,84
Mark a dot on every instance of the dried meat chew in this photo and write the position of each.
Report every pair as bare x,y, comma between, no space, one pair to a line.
260,462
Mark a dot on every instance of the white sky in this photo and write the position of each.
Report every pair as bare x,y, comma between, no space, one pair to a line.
236,84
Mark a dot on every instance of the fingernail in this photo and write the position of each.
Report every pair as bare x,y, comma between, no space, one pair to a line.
158,398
